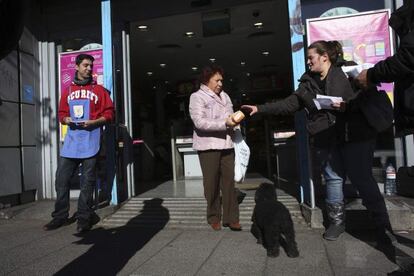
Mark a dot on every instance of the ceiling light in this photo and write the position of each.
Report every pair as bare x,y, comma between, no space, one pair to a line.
69,50
143,27
265,53
194,68
242,63
248,74
189,34
258,25
149,73
162,65
212,59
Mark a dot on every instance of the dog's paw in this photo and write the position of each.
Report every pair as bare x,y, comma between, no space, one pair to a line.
273,253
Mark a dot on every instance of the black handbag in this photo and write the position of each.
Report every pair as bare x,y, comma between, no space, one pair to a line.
377,108
405,181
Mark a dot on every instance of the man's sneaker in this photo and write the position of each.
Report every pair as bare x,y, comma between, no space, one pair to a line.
54,224
333,232
83,225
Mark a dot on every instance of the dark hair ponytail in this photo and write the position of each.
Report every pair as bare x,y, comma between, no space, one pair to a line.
332,48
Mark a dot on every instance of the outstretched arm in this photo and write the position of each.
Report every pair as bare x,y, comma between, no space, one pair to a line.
286,106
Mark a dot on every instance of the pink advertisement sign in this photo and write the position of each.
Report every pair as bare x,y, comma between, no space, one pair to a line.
67,67
365,37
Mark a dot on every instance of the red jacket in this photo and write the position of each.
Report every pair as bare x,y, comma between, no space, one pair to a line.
100,102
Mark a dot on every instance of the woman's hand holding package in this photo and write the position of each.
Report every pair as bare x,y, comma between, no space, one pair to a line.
230,122
238,117
235,119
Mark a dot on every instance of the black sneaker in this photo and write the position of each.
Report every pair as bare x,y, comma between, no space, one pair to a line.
54,224
83,225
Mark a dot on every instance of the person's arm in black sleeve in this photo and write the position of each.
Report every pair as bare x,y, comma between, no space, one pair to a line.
396,67
286,106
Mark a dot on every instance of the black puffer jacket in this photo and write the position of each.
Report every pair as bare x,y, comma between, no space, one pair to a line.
400,69
325,126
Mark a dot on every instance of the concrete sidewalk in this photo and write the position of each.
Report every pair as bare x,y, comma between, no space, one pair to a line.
26,249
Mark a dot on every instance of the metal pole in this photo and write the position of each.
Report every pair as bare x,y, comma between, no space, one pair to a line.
127,106
298,65
108,75
129,94
173,154
268,145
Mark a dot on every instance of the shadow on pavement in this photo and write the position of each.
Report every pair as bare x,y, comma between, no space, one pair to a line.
393,253
113,248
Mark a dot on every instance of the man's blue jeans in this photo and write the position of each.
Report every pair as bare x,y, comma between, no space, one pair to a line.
64,172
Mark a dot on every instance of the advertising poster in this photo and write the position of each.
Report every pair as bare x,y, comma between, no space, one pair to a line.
365,37
67,72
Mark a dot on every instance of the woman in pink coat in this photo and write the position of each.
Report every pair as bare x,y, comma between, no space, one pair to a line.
210,109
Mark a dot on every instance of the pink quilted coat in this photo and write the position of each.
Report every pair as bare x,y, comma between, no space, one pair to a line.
209,112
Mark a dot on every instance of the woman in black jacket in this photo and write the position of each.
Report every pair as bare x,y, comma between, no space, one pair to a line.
342,136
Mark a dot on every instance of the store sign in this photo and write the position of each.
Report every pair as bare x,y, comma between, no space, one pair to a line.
365,37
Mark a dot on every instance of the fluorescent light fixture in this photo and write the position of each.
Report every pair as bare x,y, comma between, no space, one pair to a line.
163,65
265,53
258,25
194,68
242,63
143,27
212,59
189,34
149,73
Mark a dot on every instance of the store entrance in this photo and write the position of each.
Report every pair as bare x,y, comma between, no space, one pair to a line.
251,42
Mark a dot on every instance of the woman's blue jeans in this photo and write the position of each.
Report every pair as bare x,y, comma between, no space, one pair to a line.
334,182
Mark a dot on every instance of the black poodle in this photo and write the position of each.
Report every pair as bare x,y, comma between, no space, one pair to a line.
272,224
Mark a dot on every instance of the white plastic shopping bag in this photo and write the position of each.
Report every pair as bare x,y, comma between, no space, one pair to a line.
241,158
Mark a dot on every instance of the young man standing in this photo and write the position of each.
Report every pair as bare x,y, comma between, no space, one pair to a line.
84,107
